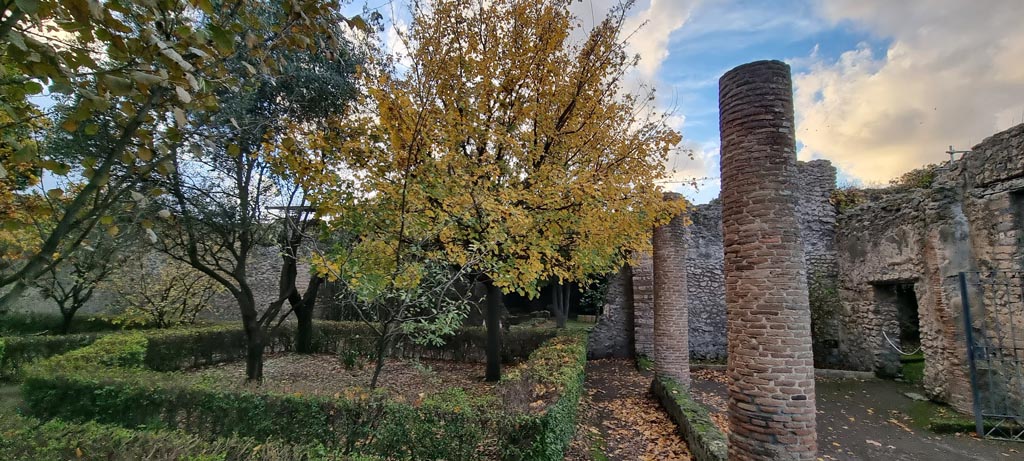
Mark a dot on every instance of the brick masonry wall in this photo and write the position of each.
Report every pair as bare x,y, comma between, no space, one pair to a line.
671,343
771,394
643,305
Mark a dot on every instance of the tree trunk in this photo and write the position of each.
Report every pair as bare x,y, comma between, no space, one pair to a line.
67,316
493,322
304,315
382,351
254,341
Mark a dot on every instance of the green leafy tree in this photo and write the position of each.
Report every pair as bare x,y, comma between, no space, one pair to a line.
236,162
148,66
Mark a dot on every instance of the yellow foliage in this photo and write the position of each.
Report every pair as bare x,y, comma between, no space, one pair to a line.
516,145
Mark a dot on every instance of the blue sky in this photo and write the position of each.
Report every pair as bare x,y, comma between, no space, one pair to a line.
881,86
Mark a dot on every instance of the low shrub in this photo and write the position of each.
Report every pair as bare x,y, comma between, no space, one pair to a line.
27,439
559,365
112,381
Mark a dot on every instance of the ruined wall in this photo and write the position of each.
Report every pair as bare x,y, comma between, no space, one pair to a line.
612,336
706,282
815,181
964,221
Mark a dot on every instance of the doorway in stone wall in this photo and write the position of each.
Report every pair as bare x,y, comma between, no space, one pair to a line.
899,330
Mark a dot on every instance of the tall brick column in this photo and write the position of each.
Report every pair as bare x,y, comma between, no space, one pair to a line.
771,366
671,326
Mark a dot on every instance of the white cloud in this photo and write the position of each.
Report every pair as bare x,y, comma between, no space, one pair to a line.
648,28
953,73
656,24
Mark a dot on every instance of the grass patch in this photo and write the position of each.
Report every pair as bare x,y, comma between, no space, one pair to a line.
913,368
643,363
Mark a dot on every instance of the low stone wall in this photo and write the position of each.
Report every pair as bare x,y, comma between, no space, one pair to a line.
706,442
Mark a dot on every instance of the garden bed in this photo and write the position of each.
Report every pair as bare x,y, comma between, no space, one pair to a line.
130,380
328,375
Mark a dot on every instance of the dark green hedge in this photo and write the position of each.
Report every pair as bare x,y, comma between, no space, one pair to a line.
27,439
112,381
22,350
189,347
33,323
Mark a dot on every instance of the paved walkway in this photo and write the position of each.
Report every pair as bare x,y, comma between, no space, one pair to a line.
874,421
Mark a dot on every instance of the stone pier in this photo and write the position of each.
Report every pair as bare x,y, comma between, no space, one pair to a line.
671,326
771,394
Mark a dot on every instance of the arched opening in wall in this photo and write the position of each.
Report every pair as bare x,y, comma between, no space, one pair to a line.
899,353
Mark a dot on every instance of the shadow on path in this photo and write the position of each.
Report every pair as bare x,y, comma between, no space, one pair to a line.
871,421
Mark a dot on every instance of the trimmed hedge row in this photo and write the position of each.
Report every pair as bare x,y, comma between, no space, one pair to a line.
112,381
33,323
26,439
189,347
22,350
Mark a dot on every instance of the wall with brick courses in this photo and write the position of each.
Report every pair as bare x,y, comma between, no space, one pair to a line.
671,343
770,364
643,305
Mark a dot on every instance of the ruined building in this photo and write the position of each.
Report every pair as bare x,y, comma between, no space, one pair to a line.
882,270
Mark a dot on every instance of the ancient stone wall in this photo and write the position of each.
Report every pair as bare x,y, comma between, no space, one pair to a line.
612,336
643,306
705,282
965,220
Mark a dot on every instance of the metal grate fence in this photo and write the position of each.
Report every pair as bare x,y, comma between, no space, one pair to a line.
993,314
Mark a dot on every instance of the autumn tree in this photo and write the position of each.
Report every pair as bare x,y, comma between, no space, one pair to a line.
158,291
141,63
529,158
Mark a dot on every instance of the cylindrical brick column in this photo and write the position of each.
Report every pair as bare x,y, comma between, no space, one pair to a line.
671,325
771,366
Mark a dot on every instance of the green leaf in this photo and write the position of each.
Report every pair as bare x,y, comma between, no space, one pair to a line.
26,153
222,39
28,6
233,149
145,154
33,87
107,220
117,85
91,129
55,193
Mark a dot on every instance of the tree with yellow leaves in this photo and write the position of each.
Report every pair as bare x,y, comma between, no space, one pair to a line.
524,153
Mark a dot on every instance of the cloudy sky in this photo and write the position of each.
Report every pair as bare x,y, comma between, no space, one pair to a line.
881,86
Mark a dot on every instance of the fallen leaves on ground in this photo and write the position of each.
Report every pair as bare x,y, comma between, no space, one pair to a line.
324,374
620,418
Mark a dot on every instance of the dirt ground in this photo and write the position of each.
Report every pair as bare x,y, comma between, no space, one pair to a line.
621,420
871,420
323,374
